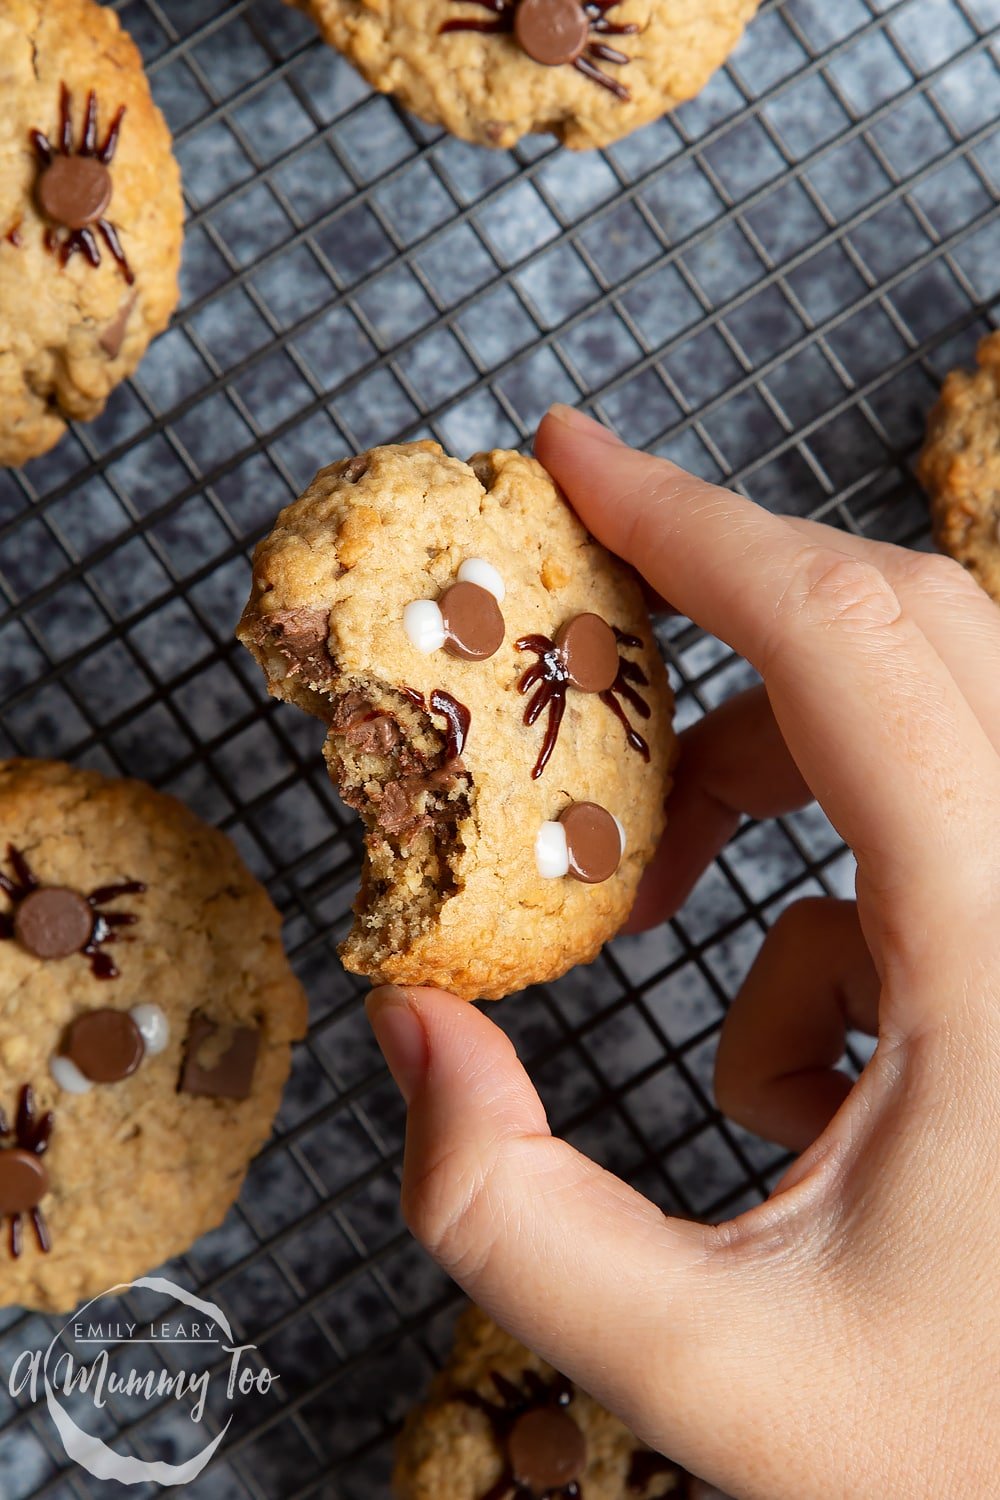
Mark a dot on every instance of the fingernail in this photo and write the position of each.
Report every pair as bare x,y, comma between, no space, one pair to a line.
583,425
400,1035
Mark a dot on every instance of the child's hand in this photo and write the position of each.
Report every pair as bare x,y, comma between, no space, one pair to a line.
842,1339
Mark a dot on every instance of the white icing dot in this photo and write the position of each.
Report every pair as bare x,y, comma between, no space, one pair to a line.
621,835
477,570
154,1028
551,851
424,626
68,1076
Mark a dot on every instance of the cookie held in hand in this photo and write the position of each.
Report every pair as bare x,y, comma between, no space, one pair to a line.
959,466
497,710
501,1424
91,218
147,1011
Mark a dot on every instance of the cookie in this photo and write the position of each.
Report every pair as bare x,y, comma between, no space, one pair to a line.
959,466
146,1014
501,1424
497,710
91,218
491,71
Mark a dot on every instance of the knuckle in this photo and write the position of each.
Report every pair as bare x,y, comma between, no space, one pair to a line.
932,573
447,1207
829,588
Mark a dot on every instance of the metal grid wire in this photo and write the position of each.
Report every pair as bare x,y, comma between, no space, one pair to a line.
766,286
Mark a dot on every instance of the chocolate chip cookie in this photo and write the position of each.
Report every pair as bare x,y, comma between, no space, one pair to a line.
91,217
146,1015
497,710
960,466
500,1424
491,71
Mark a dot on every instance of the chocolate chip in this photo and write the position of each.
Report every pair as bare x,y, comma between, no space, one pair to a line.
593,842
219,1060
300,636
74,191
106,1045
375,734
472,621
113,337
53,922
23,1181
589,652
546,1449
551,31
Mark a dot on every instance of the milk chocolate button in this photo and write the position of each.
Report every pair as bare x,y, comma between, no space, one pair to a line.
589,651
551,31
74,191
219,1060
23,1181
106,1045
472,620
53,922
546,1449
593,842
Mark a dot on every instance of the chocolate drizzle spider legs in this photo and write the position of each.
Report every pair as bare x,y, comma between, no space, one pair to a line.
23,1178
544,1451
553,32
74,186
53,921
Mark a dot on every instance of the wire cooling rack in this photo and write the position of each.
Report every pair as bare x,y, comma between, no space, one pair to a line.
766,286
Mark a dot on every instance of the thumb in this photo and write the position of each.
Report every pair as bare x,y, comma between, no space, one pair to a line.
658,1318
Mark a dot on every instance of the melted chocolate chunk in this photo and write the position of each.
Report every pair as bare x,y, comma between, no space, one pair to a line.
546,1449
106,1045
113,337
550,677
557,31
23,1179
593,842
53,922
473,624
300,636
219,1060
551,31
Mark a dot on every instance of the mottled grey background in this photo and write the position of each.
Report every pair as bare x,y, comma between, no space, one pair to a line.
766,286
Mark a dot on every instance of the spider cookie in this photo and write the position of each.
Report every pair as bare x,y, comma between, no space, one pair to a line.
491,71
146,1015
497,709
90,217
500,1424
959,466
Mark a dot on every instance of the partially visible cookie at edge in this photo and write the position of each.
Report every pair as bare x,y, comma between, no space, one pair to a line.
497,1411
147,1011
91,218
492,71
421,607
959,466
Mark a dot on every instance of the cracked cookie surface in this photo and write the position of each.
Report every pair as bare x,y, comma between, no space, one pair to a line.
69,333
484,86
136,1168
959,466
458,1444
430,743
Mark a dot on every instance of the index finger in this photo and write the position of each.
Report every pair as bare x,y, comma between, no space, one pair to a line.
873,718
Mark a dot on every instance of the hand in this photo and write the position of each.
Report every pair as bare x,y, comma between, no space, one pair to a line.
842,1339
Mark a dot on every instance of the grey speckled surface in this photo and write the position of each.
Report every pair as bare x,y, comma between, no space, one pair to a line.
766,287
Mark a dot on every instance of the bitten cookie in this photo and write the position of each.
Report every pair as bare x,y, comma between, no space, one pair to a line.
960,466
91,217
491,71
500,1424
146,1014
498,712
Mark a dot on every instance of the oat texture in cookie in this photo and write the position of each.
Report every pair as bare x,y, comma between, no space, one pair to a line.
91,218
491,71
960,466
500,1424
396,601
141,1152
